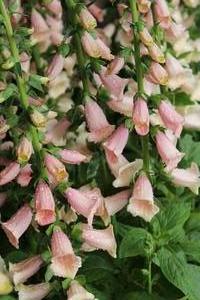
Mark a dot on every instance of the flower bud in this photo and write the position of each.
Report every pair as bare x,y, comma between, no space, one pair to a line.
55,7
24,150
145,37
9,173
144,6
156,53
38,118
55,168
87,19
90,45
157,74
55,66
141,117
5,284
162,13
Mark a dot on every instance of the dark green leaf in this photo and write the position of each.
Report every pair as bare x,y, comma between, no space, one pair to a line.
190,148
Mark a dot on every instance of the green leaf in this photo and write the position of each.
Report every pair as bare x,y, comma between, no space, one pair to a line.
35,83
64,49
11,90
49,274
192,249
185,277
193,223
168,224
141,296
7,298
136,242
190,148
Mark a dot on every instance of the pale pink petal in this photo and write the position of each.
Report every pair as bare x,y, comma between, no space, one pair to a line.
33,291
9,173
72,156
116,202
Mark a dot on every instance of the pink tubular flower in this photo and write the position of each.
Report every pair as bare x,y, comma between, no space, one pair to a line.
141,117
97,12
114,84
173,66
44,204
125,106
145,37
103,239
115,66
123,170
55,7
141,203
171,118
55,168
90,45
157,74
33,291
64,262
144,6
38,23
116,143
25,61
174,32
24,150
9,173
189,178
168,152
116,202
55,66
25,175
87,19
77,292
23,270
17,224
97,123
82,204
105,51
162,13
72,157
156,53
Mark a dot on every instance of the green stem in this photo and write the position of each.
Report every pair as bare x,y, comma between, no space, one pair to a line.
81,58
139,74
15,54
149,276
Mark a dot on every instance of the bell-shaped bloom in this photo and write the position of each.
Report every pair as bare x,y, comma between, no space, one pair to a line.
191,114
171,118
141,117
156,53
44,204
116,143
176,72
116,202
87,20
157,74
72,157
34,291
90,45
144,6
103,239
114,84
167,151
105,51
174,32
97,123
9,173
21,271
5,284
115,66
38,22
56,134
64,262
141,202
24,150
125,106
54,7
145,37
162,13
123,170
97,12
78,292
25,175
83,204
55,67
189,178
17,225
55,168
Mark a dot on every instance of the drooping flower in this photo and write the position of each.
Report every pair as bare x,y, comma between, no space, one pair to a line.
55,168
156,53
55,66
141,202
78,292
64,262
171,118
25,175
71,156
44,204
162,13
141,116
117,141
9,173
87,20
24,150
90,45
33,291
144,6
56,134
116,202
168,152
23,270
157,74
97,123
115,66
17,224
189,178
103,239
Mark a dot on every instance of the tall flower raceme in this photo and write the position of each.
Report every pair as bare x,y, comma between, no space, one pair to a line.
94,97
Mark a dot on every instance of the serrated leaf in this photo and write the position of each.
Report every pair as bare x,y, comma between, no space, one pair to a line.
190,148
192,249
136,242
